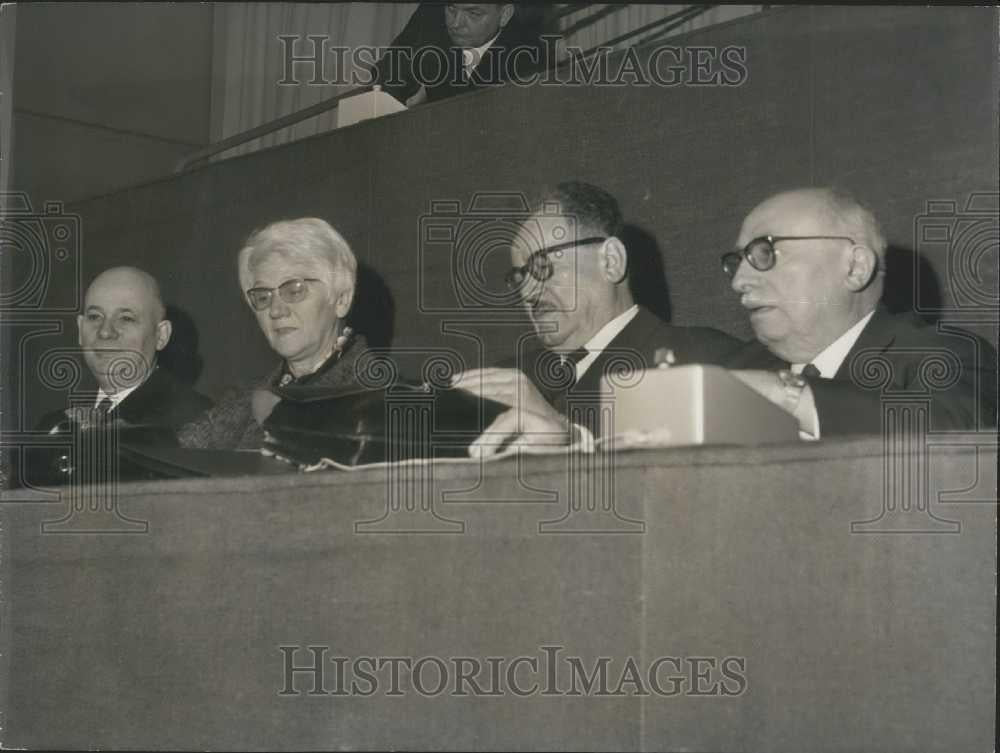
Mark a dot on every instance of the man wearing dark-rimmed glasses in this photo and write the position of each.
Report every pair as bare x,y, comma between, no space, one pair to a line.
809,267
570,270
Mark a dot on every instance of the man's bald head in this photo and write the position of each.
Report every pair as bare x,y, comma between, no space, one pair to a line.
122,327
839,211
132,279
828,270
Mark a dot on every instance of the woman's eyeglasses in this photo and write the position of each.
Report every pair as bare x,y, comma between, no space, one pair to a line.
290,291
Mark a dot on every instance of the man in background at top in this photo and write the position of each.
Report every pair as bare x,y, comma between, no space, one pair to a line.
450,48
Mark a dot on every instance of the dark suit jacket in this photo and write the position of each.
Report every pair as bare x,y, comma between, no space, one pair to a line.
426,28
896,354
150,415
161,401
634,347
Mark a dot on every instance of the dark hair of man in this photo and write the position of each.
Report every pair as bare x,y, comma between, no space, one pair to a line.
594,208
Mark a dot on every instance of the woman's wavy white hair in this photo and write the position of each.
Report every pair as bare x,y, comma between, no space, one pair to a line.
308,241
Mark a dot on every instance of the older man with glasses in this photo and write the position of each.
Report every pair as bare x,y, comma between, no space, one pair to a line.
810,270
571,273
298,279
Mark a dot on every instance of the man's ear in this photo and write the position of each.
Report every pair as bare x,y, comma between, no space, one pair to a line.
614,260
163,331
862,267
506,13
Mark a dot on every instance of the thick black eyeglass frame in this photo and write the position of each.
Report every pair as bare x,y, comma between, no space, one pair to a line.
284,290
761,254
538,265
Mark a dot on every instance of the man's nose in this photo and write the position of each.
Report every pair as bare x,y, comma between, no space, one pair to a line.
531,290
107,330
744,278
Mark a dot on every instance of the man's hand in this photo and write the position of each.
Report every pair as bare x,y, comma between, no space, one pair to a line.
531,421
518,428
418,98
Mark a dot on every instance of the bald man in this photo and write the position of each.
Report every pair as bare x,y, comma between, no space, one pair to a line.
809,268
121,330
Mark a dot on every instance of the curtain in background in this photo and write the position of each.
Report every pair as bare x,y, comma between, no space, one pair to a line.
248,57
248,60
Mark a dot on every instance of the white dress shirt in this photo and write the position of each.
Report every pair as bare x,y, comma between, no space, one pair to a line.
832,357
828,362
470,59
472,55
117,397
584,440
603,338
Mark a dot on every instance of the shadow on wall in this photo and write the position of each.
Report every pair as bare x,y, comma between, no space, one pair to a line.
181,357
647,277
911,284
374,311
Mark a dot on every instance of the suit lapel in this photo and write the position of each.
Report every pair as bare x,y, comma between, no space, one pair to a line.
629,344
146,401
877,336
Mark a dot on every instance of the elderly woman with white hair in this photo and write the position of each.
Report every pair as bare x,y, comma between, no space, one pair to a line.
298,277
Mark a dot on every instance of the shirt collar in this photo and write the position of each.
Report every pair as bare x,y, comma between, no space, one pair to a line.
472,55
830,359
610,331
117,397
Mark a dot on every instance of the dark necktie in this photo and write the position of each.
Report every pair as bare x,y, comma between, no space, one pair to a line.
811,372
566,379
104,407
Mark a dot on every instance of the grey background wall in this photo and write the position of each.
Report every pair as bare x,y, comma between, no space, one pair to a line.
108,94
895,104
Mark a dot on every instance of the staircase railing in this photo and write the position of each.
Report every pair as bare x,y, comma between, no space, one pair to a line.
659,27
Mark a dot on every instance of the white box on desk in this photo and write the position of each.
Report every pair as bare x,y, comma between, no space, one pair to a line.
693,405
365,106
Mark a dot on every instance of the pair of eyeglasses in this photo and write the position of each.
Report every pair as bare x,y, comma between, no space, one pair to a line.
761,254
539,267
290,291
